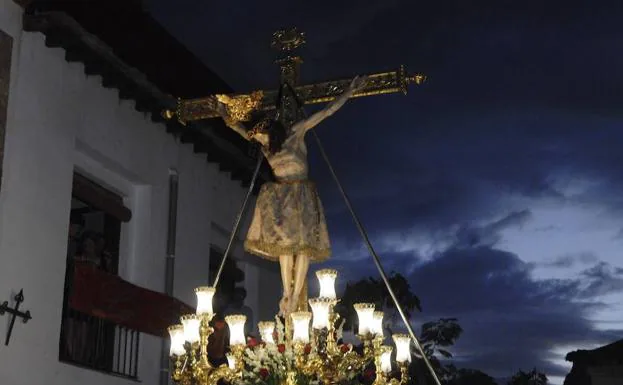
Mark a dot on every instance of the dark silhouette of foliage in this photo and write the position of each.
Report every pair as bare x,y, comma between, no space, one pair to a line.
470,377
440,334
435,337
532,377
373,290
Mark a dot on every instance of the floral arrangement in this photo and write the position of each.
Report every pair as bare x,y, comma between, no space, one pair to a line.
269,364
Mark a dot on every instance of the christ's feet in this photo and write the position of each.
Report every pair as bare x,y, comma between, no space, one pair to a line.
292,306
284,305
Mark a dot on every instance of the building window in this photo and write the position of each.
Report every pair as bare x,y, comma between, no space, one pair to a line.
87,340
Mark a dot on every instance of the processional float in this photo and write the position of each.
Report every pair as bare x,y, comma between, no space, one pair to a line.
305,347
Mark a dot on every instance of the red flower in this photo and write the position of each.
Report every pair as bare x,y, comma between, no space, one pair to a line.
307,349
281,348
345,348
369,373
252,342
263,373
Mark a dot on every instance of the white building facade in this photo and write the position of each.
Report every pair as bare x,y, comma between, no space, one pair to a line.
60,121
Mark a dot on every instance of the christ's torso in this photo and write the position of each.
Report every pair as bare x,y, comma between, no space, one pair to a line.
290,164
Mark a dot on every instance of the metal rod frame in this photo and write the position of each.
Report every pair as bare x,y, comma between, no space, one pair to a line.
234,232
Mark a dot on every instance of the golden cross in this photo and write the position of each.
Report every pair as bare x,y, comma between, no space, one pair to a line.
241,106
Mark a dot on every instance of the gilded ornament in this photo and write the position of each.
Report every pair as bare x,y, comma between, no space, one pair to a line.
288,39
240,107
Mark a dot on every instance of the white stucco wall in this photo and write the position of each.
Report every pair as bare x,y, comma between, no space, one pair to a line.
60,120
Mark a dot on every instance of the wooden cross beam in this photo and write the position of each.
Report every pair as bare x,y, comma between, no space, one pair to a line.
241,106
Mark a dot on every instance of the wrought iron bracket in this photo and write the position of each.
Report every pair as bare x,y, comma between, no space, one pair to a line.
25,316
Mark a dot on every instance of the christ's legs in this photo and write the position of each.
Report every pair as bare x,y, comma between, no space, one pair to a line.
300,276
286,263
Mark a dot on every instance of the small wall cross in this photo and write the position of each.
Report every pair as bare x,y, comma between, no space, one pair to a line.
25,316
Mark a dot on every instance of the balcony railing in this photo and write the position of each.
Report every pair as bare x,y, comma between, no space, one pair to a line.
97,344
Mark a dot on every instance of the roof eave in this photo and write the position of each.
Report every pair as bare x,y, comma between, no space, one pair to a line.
63,31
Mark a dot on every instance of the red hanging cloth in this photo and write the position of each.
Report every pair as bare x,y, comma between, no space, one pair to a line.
107,296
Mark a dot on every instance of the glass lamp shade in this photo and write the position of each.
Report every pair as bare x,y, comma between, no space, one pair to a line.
300,324
236,329
231,361
377,324
386,359
177,340
191,324
266,331
205,294
320,309
365,313
326,279
403,347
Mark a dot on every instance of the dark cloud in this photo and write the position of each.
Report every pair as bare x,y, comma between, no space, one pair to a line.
570,260
486,278
602,279
510,320
469,236
446,178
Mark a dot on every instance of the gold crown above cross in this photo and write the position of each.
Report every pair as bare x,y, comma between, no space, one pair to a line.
241,106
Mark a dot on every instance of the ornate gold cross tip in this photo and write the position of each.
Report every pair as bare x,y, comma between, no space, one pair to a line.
288,39
242,105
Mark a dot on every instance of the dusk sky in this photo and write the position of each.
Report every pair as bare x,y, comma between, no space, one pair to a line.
497,187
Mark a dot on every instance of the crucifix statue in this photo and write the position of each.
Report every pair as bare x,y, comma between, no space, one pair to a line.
288,222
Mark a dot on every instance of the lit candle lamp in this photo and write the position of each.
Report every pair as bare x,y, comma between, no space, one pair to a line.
236,329
300,324
231,361
403,347
267,329
205,295
320,309
191,324
177,340
326,279
377,324
365,313
386,359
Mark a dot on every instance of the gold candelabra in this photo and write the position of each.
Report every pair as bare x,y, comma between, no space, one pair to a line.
307,346
189,345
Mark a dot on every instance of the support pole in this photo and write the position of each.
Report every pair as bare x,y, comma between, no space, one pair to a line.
169,270
377,261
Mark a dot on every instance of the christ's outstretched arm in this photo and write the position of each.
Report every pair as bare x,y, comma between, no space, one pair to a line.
221,109
237,126
311,122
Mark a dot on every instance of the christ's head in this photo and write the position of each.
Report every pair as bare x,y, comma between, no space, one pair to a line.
271,130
